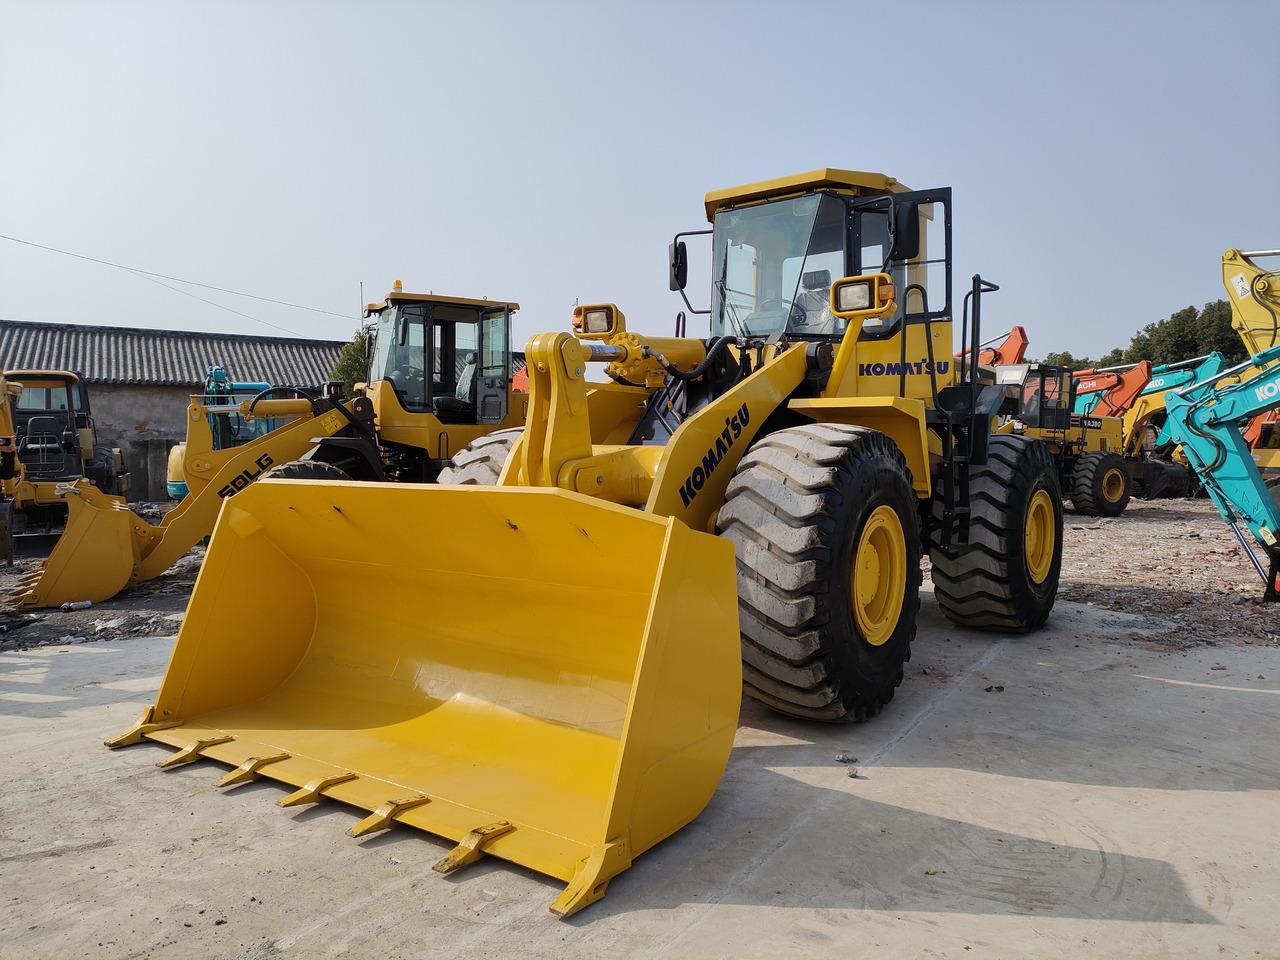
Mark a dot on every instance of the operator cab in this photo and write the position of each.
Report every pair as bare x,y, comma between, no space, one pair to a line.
445,356
774,260
49,417
1047,394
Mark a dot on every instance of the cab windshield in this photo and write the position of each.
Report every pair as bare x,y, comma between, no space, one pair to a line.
773,265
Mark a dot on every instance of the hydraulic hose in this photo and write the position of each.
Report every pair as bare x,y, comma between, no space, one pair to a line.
717,348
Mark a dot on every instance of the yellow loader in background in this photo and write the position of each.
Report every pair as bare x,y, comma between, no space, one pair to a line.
106,547
549,670
439,377
53,440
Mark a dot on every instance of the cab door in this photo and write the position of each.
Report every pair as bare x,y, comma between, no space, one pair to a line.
494,373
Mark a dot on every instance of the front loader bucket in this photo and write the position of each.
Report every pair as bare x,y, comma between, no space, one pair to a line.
531,673
95,556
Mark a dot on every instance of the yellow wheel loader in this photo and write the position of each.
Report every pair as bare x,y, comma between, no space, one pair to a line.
53,440
1088,449
440,376
106,547
549,670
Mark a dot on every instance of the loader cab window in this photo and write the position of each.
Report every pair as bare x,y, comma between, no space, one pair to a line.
922,281
773,265
402,363
42,398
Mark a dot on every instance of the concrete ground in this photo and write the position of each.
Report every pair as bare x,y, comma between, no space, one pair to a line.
1075,793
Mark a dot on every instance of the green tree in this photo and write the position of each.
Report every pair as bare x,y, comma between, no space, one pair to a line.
1065,358
352,364
1180,336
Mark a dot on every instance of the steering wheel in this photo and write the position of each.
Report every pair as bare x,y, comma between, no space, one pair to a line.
409,376
795,313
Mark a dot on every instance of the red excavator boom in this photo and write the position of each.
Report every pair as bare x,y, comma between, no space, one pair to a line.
1119,389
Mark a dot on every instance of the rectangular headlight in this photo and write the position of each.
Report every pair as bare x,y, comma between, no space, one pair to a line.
854,296
596,321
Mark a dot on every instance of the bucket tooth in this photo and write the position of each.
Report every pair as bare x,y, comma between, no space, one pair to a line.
472,846
382,818
249,769
312,791
191,752
591,879
140,729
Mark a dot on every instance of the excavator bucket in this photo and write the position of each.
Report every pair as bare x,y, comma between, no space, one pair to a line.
533,674
94,558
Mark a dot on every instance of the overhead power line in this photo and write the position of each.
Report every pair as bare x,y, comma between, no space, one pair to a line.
195,283
213,303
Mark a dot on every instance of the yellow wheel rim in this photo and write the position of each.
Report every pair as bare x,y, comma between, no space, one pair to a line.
1039,537
878,577
1113,485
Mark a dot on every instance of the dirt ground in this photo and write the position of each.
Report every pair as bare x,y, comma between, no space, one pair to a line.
1173,563
1109,786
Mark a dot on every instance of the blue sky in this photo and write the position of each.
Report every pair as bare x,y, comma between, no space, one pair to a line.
1102,156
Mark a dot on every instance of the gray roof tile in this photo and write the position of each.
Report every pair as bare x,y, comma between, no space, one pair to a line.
162,357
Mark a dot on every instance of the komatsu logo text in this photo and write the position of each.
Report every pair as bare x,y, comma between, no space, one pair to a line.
897,369
698,477
246,477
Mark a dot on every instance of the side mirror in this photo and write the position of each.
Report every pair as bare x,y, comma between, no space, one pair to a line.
402,330
677,265
597,321
906,231
863,297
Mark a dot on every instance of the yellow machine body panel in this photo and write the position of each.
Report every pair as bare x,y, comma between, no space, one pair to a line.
328,633
870,368
107,547
425,431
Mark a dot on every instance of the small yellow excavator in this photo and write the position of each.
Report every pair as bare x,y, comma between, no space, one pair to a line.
549,669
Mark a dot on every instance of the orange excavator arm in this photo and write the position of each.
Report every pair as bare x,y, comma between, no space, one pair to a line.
1011,349
1119,390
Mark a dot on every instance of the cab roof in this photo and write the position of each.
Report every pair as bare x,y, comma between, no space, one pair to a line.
400,295
856,182
19,375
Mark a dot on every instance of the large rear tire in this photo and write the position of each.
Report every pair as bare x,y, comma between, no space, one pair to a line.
1006,577
1100,485
824,523
480,462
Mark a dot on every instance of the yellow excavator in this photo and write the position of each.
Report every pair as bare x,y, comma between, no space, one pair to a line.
549,670
440,377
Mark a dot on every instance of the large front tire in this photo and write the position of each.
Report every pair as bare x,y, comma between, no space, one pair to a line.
480,462
1006,577
1100,485
823,520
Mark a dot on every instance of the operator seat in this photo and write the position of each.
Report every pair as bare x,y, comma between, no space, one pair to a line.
815,300
459,408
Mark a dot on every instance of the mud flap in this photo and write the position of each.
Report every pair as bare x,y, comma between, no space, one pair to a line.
533,674
94,557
